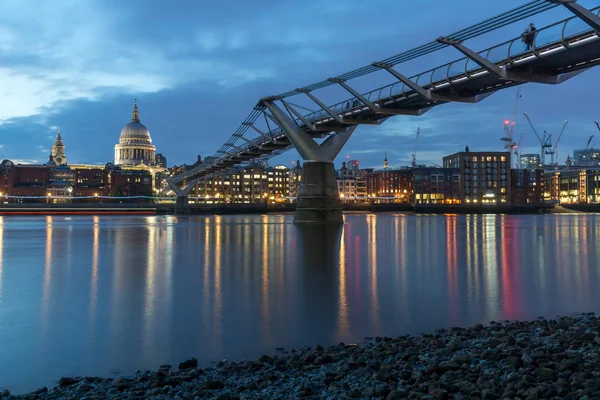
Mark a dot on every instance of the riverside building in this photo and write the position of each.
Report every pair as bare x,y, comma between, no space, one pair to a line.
484,175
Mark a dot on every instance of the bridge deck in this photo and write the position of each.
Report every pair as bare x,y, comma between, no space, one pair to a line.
563,47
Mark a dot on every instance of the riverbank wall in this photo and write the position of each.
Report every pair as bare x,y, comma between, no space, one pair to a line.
229,209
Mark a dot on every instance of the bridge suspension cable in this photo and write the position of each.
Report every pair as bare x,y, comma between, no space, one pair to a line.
489,25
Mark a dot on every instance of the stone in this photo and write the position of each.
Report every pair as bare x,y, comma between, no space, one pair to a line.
214,384
462,359
444,367
515,361
527,359
567,365
439,394
189,363
324,359
545,374
67,381
227,396
396,394
487,394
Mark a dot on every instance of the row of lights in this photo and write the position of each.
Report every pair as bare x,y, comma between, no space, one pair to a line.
50,194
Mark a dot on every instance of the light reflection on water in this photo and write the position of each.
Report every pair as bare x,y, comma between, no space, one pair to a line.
102,295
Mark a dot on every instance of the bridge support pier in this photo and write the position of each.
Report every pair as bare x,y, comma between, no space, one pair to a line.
182,205
318,197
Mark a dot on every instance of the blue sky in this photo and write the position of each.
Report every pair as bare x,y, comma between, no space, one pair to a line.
198,68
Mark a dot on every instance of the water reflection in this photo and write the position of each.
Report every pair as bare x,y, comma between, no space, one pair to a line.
1,257
452,265
318,255
128,293
47,272
343,321
372,266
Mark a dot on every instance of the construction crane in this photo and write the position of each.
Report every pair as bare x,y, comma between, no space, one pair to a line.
545,141
518,150
589,142
587,146
509,128
414,154
554,151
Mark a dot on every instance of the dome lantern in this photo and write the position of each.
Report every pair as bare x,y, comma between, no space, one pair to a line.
135,115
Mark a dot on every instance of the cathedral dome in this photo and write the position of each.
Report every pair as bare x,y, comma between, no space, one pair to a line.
135,145
135,132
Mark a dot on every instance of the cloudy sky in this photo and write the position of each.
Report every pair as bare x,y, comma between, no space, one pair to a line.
197,68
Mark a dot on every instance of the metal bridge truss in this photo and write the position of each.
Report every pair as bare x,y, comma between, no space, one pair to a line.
559,52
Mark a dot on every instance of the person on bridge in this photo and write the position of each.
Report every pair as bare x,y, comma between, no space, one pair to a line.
529,36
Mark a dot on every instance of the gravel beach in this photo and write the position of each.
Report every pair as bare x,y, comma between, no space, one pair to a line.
541,359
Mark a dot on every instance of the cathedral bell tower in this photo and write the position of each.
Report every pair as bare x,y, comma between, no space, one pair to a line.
58,151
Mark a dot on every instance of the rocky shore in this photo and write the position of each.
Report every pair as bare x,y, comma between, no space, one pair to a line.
542,359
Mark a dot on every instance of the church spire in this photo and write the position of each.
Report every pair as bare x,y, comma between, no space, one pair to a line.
58,143
385,161
58,151
135,115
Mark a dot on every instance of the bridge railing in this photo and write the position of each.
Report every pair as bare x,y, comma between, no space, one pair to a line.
507,53
562,34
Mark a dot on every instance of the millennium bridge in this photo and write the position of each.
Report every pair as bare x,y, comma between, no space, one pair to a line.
558,52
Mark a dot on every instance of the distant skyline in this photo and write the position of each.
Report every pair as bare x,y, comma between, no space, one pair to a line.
197,70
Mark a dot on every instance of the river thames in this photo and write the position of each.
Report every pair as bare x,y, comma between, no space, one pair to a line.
109,295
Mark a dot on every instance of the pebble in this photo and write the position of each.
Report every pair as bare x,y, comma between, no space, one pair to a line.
555,359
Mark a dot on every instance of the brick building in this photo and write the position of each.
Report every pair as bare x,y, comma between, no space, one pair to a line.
484,176
527,186
390,185
432,185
